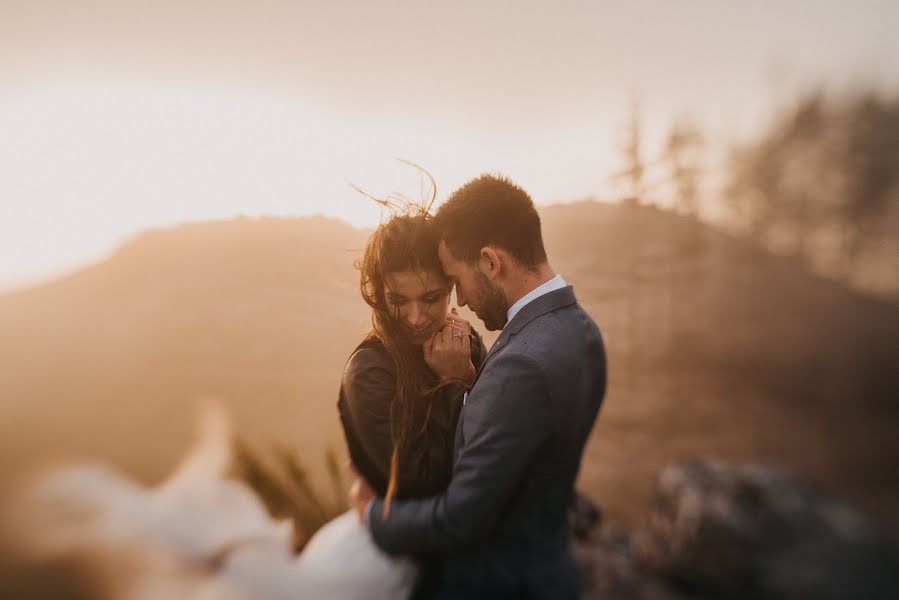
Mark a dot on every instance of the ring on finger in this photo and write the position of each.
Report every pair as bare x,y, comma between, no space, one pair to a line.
457,333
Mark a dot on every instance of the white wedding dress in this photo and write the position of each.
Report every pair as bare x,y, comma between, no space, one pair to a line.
201,536
342,562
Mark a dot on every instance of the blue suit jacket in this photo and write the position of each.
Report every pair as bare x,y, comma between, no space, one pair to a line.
501,526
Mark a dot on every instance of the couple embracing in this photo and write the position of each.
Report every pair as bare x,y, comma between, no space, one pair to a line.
465,459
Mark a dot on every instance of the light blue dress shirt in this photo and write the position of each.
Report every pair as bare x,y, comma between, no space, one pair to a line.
556,283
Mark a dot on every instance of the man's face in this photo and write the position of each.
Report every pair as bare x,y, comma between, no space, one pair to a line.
475,289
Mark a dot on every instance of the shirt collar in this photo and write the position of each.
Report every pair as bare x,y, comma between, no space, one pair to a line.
556,283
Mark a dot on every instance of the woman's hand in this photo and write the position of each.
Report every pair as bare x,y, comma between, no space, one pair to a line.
454,320
448,352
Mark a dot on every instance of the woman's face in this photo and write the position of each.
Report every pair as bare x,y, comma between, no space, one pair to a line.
419,299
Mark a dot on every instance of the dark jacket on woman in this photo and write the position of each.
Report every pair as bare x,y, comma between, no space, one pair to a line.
366,393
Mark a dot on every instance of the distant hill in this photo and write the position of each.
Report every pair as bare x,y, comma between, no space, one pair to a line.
715,347
113,360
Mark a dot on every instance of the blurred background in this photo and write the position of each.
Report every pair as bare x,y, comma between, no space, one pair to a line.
719,182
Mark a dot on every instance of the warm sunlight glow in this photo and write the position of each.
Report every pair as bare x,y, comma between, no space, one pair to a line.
199,225
87,164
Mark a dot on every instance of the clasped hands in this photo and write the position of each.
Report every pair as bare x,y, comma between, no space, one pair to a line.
448,351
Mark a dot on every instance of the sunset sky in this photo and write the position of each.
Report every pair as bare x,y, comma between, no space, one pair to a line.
116,116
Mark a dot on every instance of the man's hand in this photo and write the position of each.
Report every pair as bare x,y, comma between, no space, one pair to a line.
448,352
360,495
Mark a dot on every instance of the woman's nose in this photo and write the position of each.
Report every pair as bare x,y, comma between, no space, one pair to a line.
415,316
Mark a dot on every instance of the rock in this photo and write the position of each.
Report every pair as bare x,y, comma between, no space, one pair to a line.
584,517
610,570
747,531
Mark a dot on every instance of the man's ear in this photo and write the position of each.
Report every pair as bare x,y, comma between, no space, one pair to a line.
490,262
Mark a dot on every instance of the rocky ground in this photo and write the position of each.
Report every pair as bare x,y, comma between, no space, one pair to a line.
744,532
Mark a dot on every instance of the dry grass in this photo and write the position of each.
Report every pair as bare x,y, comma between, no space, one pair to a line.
288,491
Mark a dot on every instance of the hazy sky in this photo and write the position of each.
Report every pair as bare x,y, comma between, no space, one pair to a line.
116,116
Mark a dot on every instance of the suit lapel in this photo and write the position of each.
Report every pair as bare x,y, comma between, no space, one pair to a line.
540,306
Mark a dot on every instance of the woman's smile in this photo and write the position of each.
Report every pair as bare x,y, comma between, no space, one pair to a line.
419,300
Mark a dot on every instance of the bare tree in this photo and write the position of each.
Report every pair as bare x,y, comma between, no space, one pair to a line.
823,165
632,174
682,155
872,158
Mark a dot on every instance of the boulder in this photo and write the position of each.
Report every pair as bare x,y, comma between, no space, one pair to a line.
747,531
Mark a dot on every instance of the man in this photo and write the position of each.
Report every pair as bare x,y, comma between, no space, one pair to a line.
500,529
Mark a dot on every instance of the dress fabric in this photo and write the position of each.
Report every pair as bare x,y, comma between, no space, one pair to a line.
341,562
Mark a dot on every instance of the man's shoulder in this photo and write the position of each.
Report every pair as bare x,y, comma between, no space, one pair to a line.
555,325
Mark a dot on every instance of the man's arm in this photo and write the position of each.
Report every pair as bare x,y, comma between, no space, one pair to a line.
504,423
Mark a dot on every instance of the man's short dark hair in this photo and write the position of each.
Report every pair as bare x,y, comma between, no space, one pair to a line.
491,211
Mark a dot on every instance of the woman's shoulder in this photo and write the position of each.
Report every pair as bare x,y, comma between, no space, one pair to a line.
370,354
369,381
369,361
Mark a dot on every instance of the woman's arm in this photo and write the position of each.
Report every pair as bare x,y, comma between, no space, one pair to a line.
367,390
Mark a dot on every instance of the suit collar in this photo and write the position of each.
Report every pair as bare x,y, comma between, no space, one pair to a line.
539,306
551,285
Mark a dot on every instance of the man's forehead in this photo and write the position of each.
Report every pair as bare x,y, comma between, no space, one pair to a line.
446,257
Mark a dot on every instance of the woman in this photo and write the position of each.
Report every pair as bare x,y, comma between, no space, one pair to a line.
400,398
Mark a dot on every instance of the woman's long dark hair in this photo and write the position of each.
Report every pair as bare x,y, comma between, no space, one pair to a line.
405,242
